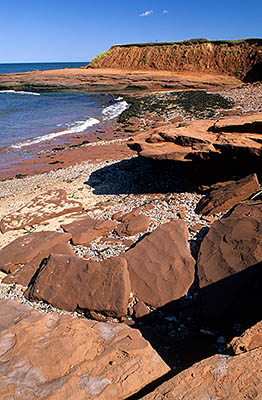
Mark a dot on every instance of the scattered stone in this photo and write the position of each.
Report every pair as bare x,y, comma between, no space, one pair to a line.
63,357
140,309
26,248
196,228
208,218
227,196
71,283
85,230
43,207
217,377
249,340
161,267
230,256
127,217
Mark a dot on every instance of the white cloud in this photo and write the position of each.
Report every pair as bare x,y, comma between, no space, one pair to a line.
165,11
146,13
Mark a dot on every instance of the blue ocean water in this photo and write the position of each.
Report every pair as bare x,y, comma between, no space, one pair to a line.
28,118
26,67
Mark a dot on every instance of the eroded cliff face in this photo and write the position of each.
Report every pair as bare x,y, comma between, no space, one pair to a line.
242,59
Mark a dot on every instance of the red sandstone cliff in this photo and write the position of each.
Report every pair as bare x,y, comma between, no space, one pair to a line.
242,59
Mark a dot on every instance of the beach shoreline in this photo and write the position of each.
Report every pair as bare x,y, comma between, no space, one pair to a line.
75,148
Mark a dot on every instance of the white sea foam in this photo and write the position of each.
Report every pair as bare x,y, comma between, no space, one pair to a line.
115,110
77,127
19,92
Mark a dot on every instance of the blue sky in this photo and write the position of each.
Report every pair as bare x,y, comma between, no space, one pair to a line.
77,30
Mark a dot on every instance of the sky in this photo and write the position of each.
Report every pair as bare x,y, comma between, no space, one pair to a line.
78,30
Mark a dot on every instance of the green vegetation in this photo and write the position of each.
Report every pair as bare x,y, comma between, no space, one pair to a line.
99,56
189,104
195,41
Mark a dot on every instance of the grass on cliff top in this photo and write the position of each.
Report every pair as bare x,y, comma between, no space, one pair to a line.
98,57
195,41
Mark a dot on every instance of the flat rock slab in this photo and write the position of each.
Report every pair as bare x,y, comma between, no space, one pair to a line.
230,256
249,340
134,225
85,230
49,356
27,247
228,195
24,274
41,208
217,377
161,267
71,283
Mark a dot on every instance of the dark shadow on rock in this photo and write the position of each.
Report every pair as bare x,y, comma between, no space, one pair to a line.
239,295
140,176
255,74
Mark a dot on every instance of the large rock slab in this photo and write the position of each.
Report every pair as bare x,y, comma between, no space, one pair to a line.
86,229
161,267
235,140
23,275
49,356
230,256
217,377
71,283
249,340
228,195
27,247
41,208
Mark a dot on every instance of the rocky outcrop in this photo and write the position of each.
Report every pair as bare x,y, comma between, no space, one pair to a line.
232,140
227,195
49,356
41,208
249,340
230,257
71,283
238,58
161,267
217,377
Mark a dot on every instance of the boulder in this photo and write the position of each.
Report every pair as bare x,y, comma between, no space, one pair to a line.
217,377
161,267
249,340
23,275
228,195
27,247
230,256
52,356
41,208
71,283
86,229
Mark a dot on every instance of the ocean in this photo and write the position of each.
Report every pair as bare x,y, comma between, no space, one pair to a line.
29,118
15,68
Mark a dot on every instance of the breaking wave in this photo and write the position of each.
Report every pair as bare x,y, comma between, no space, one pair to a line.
19,92
115,110
77,127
